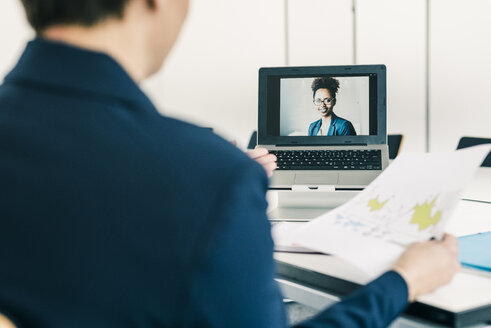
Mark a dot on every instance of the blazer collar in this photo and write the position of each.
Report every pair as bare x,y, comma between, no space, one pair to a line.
67,67
334,119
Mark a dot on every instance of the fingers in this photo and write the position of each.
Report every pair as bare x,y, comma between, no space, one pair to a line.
429,265
270,167
269,164
451,243
449,239
448,243
267,159
263,157
258,152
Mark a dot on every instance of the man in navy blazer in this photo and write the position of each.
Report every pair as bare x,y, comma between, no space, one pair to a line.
115,216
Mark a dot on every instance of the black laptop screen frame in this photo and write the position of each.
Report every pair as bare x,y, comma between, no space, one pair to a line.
269,95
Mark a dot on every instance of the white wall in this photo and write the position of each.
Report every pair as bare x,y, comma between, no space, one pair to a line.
320,32
392,32
14,32
211,77
460,71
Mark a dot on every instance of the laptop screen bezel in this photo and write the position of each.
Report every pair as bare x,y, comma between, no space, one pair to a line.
308,71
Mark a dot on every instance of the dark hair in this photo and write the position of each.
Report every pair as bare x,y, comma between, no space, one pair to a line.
42,14
328,83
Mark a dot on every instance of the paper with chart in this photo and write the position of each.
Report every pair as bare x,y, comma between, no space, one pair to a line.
412,200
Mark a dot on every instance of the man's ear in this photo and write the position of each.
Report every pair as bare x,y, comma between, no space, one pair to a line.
152,3
334,102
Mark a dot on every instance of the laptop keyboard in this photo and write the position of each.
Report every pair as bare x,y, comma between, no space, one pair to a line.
328,159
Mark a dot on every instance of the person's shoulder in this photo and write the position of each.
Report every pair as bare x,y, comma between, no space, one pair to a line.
344,127
187,135
208,151
341,120
7,91
314,124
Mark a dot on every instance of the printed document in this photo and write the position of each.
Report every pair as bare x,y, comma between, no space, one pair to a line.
411,201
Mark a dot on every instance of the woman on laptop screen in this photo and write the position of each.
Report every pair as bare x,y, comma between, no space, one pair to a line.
324,93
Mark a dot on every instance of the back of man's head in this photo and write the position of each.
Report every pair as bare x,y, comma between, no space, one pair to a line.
43,14
137,33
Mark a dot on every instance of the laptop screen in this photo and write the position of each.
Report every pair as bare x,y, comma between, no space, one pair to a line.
322,105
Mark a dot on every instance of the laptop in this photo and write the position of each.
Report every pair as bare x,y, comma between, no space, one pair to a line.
326,125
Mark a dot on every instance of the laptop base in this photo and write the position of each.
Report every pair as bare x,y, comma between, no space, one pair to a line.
303,206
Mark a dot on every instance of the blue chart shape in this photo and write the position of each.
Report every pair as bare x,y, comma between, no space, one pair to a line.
475,251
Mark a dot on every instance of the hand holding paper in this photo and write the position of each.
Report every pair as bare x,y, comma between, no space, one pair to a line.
411,201
426,266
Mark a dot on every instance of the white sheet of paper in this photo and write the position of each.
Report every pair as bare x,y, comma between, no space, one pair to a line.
282,233
412,200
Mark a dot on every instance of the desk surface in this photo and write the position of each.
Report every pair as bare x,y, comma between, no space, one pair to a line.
470,290
480,187
473,288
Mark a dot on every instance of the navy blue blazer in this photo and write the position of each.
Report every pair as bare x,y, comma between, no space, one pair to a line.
112,215
338,127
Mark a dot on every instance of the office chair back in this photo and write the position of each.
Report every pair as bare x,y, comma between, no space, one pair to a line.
253,141
466,142
394,141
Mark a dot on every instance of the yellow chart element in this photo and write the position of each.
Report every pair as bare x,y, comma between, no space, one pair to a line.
375,205
422,215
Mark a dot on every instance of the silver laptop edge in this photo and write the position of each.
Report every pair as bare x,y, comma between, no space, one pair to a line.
323,180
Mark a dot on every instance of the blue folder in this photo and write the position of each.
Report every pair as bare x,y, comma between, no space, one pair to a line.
475,251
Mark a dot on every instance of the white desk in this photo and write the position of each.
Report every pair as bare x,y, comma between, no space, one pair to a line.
468,291
480,188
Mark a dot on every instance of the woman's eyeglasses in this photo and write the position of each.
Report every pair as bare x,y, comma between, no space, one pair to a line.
326,101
